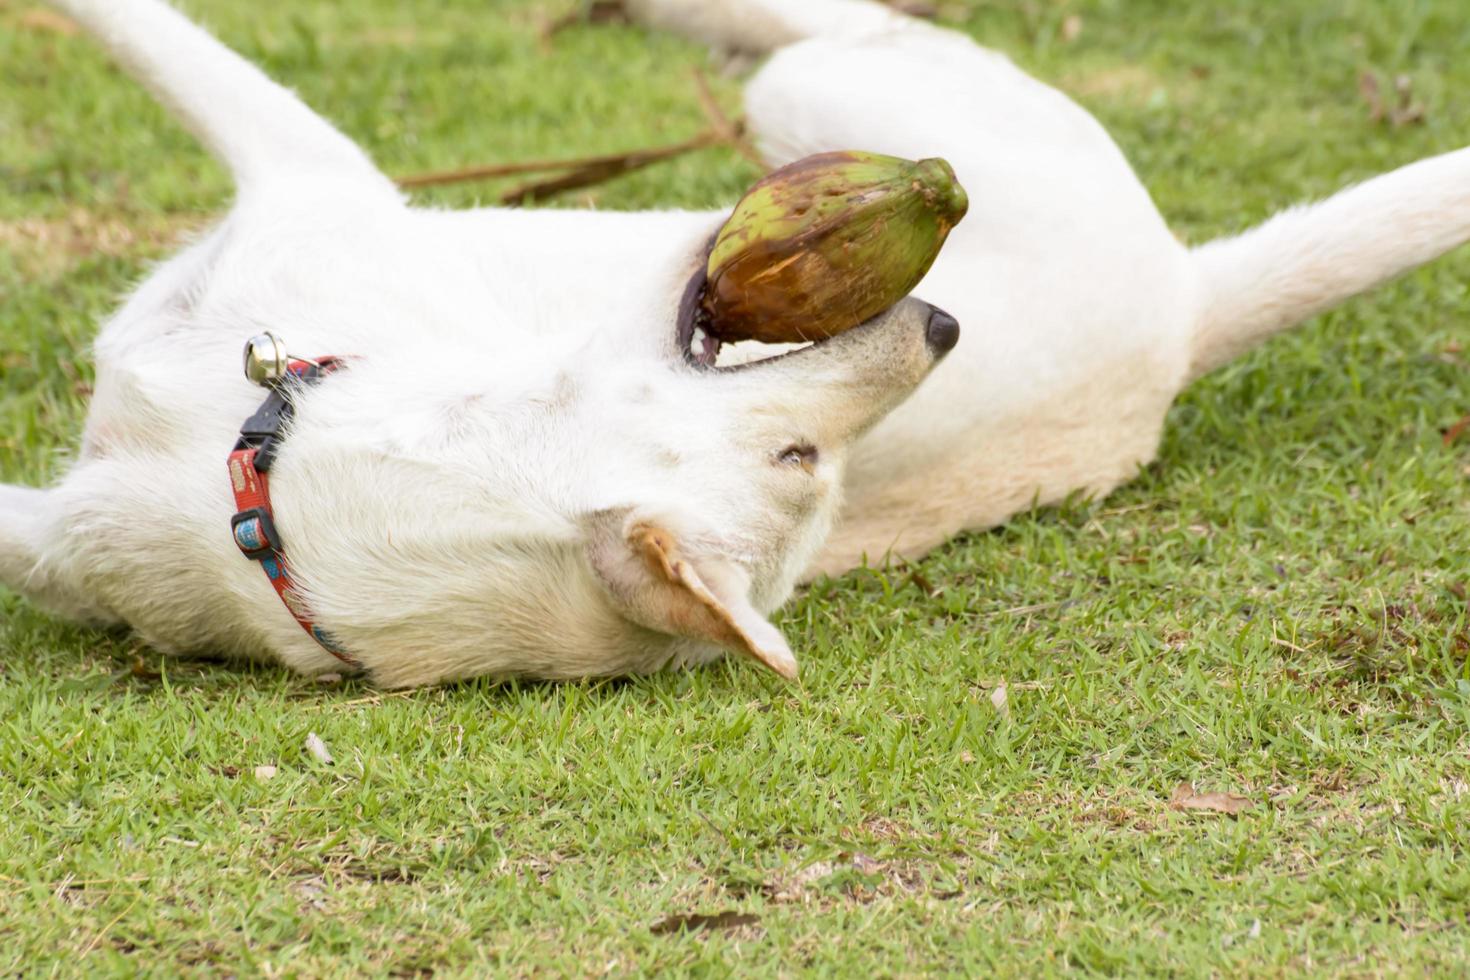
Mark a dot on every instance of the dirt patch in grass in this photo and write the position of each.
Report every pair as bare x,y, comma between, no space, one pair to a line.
1132,85
43,21
50,247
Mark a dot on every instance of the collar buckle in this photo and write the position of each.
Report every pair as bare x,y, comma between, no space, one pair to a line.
254,532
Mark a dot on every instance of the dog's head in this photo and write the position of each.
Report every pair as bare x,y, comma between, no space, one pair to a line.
738,478
602,502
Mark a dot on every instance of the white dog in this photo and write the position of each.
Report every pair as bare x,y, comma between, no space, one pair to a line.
521,469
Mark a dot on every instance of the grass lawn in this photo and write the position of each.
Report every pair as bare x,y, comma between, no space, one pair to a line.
1275,610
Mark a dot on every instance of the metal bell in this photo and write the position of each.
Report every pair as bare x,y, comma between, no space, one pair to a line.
266,360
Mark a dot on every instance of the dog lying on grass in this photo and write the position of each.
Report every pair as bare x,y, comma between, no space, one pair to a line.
521,468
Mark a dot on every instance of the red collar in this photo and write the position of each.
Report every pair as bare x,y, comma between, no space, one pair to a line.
252,526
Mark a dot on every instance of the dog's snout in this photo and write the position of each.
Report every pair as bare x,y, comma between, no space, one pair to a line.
943,331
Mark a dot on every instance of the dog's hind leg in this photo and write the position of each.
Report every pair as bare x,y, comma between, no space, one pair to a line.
761,26
26,518
831,81
854,74
257,128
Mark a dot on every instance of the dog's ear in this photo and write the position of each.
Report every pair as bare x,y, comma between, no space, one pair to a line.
659,585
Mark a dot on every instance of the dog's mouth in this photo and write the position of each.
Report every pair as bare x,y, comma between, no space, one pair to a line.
692,338
699,347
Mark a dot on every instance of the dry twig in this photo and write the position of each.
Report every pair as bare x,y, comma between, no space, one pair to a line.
588,171
597,170
731,131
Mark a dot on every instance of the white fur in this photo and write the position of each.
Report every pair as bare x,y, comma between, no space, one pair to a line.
519,475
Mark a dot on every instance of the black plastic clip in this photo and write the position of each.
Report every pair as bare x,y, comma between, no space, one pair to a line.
262,431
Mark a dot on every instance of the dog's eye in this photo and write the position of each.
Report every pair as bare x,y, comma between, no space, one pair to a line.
800,455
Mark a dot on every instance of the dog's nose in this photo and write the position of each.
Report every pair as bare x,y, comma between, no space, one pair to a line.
943,331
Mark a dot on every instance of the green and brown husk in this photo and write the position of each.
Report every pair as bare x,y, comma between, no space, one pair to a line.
825,243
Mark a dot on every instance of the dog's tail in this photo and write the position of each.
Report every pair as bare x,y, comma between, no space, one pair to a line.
1307,260
254,126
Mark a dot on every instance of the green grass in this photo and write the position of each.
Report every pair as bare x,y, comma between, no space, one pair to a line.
1276,609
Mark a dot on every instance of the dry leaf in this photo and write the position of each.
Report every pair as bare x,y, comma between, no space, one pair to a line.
264,773
1185,798
922,583
312,892
1072,28
696,921
1368,89
142,671
1407,112
1000,697
318,748
793,887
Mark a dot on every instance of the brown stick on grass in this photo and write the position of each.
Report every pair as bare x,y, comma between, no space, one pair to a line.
589,171
597,170
488,171
585,169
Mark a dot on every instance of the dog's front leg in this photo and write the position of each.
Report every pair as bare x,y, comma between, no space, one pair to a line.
27,519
